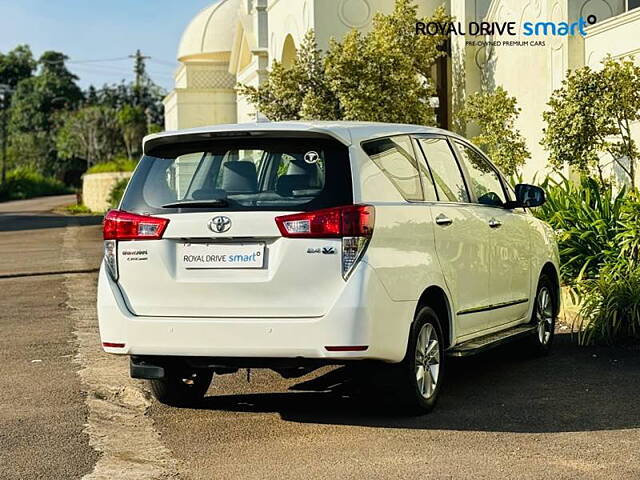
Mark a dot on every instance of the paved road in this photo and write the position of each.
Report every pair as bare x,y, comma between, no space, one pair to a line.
42,410
574,414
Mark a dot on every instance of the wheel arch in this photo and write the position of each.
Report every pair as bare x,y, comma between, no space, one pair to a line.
436,298
550,270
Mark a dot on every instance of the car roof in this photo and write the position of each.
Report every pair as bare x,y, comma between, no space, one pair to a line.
346,132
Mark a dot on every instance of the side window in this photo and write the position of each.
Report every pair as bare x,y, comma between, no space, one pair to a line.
445,170
485,181
394,156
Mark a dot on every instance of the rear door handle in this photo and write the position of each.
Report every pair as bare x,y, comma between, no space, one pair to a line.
443,220
493,223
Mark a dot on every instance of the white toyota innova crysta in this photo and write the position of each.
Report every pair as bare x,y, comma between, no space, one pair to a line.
296,245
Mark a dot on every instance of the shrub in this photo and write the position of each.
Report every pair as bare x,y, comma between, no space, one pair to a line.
116,165
117,191
586,217
495,114
628,237
22,183
598,233
610,310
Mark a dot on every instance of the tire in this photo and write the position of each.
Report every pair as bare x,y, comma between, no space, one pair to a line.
181,388
421,373
543,317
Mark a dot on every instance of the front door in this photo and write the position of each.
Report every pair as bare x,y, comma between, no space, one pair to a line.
509,285
510,267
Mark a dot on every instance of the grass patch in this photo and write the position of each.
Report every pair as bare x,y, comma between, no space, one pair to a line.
116,165
23,183
77,210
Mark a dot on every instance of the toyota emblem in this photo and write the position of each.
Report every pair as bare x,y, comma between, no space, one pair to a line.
311,157
220,224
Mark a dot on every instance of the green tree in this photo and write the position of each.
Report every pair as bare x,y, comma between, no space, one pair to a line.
34,107
133,127
384,75
15,66
494,114
298,92
590,116
37,98
148,97
90,133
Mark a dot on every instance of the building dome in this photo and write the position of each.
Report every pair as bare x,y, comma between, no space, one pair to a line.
211,31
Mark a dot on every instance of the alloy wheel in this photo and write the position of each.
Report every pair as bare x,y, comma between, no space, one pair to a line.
427,360
544,315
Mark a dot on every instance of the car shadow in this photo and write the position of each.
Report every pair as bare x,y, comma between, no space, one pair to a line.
14,222
504,390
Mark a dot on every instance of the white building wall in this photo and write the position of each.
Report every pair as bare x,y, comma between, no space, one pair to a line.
204,95
335,18
619,37
205,84
192,107
532,73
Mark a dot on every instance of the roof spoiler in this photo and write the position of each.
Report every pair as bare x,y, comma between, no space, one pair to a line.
155,142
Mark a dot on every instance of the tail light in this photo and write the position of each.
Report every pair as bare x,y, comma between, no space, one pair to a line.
111,258
352,223
119,225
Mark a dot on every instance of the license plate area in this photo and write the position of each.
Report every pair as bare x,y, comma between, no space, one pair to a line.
216,256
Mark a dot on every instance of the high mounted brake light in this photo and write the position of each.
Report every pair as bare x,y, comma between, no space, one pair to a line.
119,225
352,223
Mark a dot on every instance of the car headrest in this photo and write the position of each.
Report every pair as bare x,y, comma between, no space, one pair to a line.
240,177
288,183
299,167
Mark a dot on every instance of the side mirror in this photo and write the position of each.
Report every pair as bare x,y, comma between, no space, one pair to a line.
529,195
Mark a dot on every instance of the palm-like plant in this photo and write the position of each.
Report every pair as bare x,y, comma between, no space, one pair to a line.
586,218
610,310
598,233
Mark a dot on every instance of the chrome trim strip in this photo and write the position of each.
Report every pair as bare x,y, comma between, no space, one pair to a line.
493,307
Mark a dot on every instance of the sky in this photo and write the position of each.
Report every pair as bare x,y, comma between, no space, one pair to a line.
94,30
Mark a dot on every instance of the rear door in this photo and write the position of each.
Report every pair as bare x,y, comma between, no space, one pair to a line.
461,236
222,254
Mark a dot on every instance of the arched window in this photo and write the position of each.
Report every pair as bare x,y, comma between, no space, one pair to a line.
288,52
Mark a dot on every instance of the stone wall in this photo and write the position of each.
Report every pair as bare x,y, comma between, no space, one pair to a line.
96,188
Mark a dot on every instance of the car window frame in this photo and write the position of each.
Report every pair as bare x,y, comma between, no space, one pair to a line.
501,179
419,153
415,157
136,200
463,172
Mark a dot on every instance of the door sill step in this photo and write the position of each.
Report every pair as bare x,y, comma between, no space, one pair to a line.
486,342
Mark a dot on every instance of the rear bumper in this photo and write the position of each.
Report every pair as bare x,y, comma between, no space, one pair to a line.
363,315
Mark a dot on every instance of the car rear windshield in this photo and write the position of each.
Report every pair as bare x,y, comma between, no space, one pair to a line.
265,174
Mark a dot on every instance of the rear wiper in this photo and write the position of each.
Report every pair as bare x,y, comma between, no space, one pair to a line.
217,202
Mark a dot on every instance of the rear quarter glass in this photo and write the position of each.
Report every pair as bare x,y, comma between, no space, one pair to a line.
248,174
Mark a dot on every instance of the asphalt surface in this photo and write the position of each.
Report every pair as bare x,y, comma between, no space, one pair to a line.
42,410
573,414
